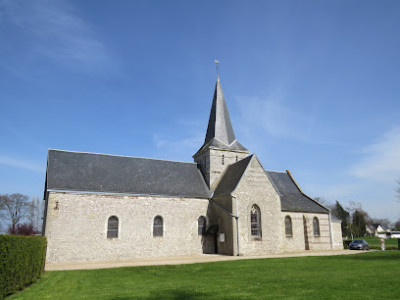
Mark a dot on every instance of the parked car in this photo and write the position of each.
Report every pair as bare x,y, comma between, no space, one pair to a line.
359,245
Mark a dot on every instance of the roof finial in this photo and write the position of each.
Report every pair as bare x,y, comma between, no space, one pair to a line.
217,65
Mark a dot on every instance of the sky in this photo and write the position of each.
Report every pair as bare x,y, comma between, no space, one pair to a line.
311,86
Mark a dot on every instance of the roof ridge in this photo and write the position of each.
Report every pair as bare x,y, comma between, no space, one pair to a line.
115,155
92,172
281,172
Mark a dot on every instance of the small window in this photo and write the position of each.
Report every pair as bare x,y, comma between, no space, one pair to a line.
316,226
236,158
255,217
223,159
112,227
158,226
288,226
201,226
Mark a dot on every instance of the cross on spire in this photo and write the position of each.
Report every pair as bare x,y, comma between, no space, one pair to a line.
217,65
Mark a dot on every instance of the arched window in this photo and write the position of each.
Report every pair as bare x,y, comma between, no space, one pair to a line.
158,226
201,228
288,226
316,226
112,227
255,217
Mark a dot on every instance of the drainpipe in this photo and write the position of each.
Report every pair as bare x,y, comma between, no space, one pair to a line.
233,216
237,224
330,227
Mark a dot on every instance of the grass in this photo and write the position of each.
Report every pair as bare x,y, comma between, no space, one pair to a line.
368,275
390,244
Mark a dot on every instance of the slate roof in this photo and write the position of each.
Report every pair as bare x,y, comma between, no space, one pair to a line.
232,176
292,198
90,172
376,225
220,131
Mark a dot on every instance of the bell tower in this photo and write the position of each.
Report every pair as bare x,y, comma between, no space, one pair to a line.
220,148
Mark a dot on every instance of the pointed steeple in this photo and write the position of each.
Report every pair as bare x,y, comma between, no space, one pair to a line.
220,132
220,148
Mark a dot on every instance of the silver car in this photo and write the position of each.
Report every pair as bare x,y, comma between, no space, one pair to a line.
359,245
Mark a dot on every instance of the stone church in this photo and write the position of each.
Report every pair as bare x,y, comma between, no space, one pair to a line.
106,207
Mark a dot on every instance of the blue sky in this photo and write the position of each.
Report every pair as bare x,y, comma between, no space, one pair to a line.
311,86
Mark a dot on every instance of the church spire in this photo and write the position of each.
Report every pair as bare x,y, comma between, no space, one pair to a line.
219,131
220,148
219,124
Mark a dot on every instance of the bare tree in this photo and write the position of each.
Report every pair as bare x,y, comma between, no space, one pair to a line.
384,222
359,218
398,190
36,213
352,206
397,225
323,201
14,207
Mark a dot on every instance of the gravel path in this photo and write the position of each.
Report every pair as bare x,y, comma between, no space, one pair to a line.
177,260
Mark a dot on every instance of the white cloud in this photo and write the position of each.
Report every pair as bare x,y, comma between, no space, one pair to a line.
335,190
21,163
185,143
55,30
274,117
180,149
381,160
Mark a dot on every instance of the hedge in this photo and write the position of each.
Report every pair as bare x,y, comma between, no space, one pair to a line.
21,261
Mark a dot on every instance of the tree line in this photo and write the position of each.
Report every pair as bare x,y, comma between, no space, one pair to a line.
20,214
355,220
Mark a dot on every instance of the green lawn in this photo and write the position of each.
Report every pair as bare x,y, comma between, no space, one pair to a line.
390,244
368,275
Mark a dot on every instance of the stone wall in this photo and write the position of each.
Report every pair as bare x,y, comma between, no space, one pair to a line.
213,162
295,242
76,227
303,232
255,188
225,223
323,241
337,239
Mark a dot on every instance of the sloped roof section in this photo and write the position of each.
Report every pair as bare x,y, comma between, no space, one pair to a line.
292,198
90,172
232,176
220,131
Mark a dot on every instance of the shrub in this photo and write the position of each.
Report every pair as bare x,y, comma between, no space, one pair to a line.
346,243
25,229
21,261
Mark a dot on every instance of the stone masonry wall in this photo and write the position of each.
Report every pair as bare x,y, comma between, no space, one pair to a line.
323,241
76,227
255,188
225,223
213,165
337,236
297,242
